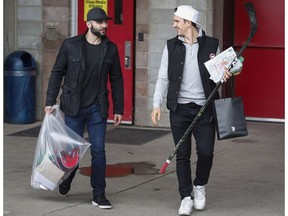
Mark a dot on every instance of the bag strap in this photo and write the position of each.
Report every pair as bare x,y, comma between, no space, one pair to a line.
232,85
229,87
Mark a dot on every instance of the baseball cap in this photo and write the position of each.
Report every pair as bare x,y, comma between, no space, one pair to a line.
97,14
187,12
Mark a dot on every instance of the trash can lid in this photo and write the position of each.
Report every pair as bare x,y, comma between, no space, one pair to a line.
19,60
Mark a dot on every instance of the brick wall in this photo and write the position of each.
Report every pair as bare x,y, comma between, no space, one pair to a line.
56,27
141,63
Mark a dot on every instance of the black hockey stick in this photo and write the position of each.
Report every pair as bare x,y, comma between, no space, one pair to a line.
253,28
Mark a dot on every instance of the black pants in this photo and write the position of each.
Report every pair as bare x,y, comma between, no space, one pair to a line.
204,134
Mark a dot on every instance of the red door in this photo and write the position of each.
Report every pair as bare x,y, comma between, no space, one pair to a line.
261,83
121,32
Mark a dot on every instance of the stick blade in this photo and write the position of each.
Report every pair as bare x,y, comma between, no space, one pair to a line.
252,16
250,9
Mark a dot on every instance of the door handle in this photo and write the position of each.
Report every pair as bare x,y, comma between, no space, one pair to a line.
127,60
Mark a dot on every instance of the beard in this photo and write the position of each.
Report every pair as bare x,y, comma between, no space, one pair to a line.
97,32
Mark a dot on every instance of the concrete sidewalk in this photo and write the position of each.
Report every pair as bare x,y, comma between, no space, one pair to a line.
247,178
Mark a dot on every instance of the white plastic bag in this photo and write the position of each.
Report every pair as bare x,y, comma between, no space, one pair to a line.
58,151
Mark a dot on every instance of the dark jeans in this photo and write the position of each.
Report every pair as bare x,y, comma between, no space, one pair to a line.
204,134
96,126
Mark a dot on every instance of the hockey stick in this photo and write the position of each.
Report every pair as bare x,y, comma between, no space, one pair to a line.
253,28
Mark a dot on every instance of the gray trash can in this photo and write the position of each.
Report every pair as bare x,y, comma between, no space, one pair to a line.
19,88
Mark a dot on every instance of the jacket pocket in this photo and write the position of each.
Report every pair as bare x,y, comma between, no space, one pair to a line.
68,98
73,69
108,61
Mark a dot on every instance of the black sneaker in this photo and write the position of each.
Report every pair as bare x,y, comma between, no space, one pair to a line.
63,189
101,202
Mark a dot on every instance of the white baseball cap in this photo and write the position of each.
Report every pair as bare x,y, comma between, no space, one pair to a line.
187,12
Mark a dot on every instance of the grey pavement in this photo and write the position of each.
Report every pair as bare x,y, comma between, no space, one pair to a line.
247,178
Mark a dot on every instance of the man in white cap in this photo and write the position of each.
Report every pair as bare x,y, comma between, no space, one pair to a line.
183,74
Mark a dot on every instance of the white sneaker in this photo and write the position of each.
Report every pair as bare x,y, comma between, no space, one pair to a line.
199,197
186,206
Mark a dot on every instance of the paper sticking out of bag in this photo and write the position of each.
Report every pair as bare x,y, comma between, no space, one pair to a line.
58,152
47,174
216,66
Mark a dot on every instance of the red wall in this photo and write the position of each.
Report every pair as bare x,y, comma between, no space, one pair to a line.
261,83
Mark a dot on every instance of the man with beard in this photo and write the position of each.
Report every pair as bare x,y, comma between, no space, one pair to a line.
85,62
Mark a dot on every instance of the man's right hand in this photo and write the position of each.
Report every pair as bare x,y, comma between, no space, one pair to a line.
49,109
156,115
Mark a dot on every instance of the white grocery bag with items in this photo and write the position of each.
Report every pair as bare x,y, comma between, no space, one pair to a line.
58,152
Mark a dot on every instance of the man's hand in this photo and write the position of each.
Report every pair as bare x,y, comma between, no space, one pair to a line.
227,75
156,115
49,109
117,119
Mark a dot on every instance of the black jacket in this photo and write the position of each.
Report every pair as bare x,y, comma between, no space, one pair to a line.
70,65
177,52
